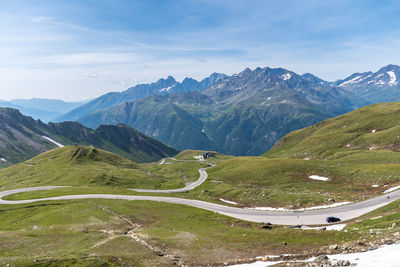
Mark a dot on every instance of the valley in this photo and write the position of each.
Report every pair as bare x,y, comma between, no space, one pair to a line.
199,133
173,232
223,220
22,138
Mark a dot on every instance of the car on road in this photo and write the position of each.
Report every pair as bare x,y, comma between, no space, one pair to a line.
332,219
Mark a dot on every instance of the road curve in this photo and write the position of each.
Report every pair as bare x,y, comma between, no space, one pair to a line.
310,217
202,178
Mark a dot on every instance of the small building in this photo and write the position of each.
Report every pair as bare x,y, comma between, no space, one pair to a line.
209,155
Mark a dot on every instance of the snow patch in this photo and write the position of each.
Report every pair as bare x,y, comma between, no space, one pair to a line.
386,255
393,79
317,177
391,189
377,217
228,201
356,79
372,148
375,185
53,141
303,209
3,159
305,227
286,76
380,82
336,227
373,131
166,89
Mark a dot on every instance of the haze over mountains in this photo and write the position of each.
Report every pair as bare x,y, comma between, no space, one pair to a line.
40,108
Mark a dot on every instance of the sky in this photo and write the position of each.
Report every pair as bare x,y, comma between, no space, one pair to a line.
81,49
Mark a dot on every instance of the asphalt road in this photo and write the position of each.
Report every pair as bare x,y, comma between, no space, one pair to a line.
202,178
311,217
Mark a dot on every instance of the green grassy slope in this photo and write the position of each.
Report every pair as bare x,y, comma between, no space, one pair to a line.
22,138
375,127
95,232
338,149
86,166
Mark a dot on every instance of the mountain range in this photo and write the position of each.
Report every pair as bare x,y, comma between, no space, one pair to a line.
161,87
41,108
22,137
243,114
374,87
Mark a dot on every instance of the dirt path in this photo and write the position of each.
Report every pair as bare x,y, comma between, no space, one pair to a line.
134,234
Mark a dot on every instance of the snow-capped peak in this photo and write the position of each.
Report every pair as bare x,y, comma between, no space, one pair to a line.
393,79
356,79
286,76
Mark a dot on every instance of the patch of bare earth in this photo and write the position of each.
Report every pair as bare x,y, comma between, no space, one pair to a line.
133,233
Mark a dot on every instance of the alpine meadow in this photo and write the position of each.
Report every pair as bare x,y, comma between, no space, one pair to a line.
200,133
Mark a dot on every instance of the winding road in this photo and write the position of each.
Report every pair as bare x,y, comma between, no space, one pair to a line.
203,177
309,217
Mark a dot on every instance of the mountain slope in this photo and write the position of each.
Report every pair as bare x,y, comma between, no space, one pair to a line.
381,86
161,87
159,117
76,165
375,127
23,137
242,115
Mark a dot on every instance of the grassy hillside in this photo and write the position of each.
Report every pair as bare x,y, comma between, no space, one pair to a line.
375,127
138,233
22,138
95,233
86,166
249,181
111,233
357,152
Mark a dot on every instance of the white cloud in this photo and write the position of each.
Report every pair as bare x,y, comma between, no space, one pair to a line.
39,19
90,75
60,58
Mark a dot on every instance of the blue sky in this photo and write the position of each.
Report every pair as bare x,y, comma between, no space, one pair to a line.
81,49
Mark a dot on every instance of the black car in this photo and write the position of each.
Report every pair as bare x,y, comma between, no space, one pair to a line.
332,219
